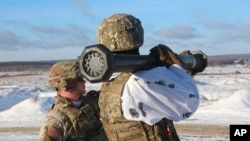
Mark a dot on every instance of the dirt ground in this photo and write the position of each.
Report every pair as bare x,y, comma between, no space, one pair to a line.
186,132
203,132
204,129
18,129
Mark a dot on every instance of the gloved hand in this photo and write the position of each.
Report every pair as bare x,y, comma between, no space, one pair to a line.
165,56
94,94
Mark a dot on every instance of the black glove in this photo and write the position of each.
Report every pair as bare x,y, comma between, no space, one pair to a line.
94,94
165,56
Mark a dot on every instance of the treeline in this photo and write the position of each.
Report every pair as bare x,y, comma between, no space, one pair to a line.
26,66
45,65
226,59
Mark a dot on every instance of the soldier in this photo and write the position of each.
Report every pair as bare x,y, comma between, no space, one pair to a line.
75,114
141,106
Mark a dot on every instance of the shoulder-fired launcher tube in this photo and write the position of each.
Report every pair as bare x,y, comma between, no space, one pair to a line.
97,63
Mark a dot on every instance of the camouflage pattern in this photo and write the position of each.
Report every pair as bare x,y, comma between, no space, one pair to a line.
119,128
121,32
62,75
73,123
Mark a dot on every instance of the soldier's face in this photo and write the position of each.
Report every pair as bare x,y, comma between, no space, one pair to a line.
76,93
81,86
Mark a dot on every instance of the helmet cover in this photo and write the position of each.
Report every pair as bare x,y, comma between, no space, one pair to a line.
121,32
62,75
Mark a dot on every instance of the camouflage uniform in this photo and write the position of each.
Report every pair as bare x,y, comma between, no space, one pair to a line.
118,128
123,33
72,123
65,121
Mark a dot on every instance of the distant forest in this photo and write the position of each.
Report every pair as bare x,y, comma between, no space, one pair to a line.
26,66
226,59
45,65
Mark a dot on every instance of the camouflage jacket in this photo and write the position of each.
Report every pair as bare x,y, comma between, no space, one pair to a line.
65,122
118,128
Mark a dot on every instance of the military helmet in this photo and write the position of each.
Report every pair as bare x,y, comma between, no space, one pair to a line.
62,75
121,32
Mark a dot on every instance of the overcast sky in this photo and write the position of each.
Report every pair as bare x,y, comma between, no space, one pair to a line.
60,29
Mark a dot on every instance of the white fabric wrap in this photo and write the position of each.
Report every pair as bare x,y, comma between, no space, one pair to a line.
160,93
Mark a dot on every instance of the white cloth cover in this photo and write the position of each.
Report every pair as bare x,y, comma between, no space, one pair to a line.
151,95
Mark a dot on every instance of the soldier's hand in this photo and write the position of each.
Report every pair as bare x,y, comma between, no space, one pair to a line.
165,56
94,94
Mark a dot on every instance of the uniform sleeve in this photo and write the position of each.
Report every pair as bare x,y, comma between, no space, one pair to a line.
158,93
52,128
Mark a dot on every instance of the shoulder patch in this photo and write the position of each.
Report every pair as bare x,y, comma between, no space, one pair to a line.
54,133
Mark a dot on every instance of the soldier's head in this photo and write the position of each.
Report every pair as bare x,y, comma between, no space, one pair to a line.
121,33
64,75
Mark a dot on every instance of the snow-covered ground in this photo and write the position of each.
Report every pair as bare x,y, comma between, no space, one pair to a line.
25,99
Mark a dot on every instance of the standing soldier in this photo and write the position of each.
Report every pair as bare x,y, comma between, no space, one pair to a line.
75,114
141,106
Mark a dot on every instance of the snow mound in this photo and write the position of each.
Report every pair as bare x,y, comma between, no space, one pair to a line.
239,100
